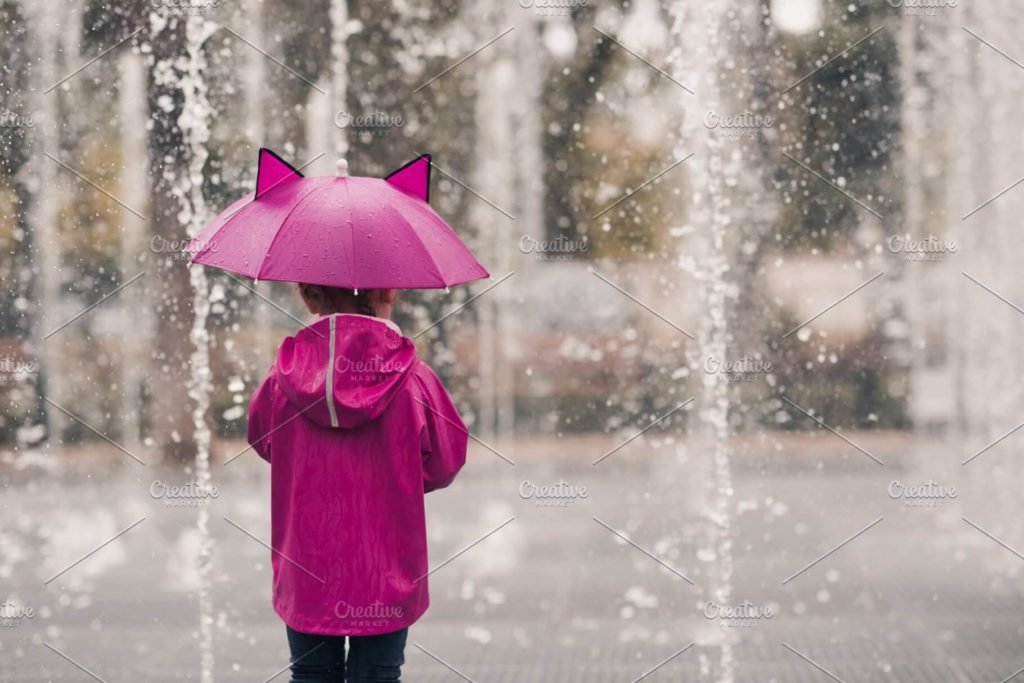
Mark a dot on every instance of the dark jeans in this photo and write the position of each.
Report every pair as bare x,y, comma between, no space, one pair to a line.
371,659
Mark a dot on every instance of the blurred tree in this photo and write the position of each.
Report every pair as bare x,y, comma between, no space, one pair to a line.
840,119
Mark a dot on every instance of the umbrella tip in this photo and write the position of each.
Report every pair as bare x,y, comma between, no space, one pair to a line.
342,168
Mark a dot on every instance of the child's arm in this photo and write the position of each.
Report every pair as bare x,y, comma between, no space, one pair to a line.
444,437
259,418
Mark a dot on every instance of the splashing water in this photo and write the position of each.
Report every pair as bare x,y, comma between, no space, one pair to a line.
338,13
194,124
698,51
43,216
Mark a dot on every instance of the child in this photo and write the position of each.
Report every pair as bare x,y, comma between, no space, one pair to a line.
356,429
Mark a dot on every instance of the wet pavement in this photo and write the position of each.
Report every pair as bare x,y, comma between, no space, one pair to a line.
914,588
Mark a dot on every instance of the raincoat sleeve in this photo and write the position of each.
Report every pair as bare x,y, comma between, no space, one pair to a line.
260,418
444,436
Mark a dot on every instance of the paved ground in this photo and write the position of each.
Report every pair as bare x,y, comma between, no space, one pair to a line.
554,596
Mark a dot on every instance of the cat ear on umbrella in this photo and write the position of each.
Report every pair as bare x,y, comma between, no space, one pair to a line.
273,171
413,178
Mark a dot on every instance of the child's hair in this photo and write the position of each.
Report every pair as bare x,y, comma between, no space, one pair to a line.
323,300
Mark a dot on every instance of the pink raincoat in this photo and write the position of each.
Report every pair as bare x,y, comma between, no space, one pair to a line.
356,429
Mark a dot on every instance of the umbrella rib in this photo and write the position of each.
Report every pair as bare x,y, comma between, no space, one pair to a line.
227,221
280,227
430,257
351,235
209,241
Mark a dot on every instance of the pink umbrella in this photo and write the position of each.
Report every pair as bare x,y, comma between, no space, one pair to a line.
340,231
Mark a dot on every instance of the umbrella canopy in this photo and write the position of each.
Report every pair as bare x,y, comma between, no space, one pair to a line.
339,231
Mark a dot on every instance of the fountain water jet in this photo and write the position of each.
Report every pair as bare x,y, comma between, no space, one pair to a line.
497,180
40,177
702,58
194,125
132,114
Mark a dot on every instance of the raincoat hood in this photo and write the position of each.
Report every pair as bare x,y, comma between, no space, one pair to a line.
344,370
